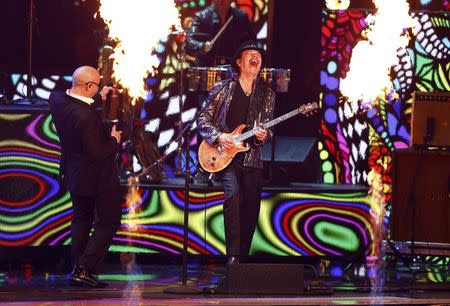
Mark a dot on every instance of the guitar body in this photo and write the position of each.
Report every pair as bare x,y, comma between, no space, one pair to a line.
216,158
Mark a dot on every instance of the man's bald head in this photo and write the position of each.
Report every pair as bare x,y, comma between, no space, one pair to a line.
85,74
85,81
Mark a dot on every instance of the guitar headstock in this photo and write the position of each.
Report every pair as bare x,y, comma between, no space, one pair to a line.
309,108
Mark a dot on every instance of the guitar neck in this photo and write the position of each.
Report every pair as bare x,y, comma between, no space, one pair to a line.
248,134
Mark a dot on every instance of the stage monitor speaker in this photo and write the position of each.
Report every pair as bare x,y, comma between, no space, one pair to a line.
295,159
421,178
289,149
251,278
430,119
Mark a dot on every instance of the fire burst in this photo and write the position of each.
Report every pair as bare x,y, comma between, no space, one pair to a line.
133,198
137,26
377,206
374,259
373,58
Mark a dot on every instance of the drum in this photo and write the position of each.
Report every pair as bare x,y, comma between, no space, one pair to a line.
277,78
203,78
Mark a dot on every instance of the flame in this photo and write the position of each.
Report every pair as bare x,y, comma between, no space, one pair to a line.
372,59
137,26
133,198
134,288
377,197
374,259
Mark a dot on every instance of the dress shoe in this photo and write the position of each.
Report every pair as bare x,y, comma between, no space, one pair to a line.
81,276
232,260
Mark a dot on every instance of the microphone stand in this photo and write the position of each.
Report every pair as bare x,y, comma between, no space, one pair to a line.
30,48
183,139
181,37
29,96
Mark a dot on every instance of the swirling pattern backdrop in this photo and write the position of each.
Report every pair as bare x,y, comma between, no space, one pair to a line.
35,209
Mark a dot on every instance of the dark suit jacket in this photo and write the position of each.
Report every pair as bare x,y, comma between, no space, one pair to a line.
88,152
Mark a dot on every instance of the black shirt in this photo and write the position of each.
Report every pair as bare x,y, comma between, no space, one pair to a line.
237,113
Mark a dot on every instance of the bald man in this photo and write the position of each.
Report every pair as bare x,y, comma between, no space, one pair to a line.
88,171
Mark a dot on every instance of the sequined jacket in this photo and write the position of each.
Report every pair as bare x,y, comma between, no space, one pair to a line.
212,120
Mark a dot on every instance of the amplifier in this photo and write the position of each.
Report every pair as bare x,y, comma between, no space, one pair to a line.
251,278
430,119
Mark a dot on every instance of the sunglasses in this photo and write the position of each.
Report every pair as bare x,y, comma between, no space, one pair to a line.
88,83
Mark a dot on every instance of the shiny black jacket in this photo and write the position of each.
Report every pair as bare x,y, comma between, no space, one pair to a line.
207,21
212,120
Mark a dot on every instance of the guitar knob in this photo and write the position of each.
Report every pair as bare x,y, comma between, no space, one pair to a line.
213,158
212,164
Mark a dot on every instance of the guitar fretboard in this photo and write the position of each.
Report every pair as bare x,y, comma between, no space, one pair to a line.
266,125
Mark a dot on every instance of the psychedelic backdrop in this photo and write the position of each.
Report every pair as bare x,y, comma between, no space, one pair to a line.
351,145
35,210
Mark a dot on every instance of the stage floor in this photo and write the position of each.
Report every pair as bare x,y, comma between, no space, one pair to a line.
29,284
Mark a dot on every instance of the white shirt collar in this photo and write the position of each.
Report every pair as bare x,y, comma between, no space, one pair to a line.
84,99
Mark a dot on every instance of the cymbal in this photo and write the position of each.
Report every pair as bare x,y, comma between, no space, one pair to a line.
197,34
181,32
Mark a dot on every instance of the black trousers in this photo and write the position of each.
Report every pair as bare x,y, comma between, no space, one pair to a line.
101,212
242,186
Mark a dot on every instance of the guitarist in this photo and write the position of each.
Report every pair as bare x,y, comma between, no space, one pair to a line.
245,99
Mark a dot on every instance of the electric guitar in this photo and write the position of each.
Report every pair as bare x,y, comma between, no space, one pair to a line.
216,158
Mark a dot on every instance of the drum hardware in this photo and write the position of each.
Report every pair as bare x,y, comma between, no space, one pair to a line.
202,79
277,78
197,34
187,33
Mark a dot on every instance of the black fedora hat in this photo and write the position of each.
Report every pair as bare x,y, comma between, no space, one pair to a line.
248,45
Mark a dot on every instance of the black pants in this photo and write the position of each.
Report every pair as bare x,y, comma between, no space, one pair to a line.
103,213
242,186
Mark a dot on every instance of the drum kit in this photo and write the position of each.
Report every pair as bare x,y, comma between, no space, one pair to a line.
201,79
